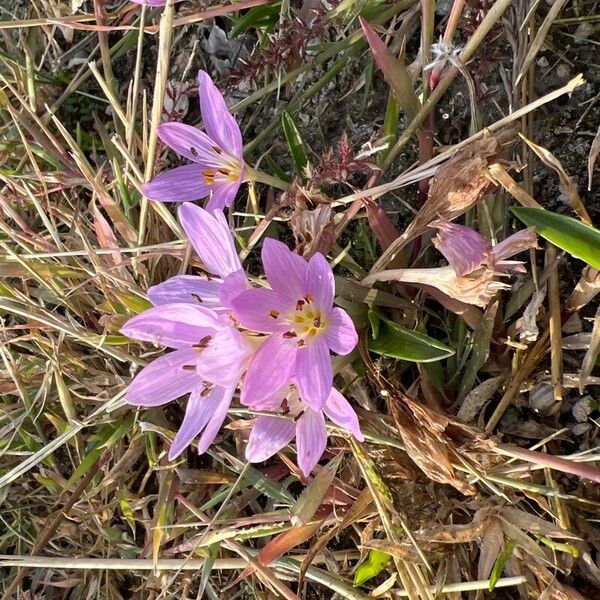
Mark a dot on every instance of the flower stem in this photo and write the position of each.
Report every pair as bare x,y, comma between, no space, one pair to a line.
261,177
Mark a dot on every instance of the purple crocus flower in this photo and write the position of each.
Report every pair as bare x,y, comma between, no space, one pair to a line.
207,362
298,311
217,168
271,433
208,231
474,265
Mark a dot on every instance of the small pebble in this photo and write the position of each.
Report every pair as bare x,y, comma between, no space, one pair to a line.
541,399
580,428
583,408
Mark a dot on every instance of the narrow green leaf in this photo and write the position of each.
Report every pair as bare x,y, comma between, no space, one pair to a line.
375,563
295,143
568,234
499,564
397,341
264,16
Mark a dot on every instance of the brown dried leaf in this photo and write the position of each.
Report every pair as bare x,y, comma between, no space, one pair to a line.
491,547
313,230
454,534
458,185
477,398
534,524
426,444
405,551
589,360
585,291
594,151
567,186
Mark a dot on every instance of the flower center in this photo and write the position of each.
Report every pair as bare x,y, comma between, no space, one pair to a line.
306,322
226,169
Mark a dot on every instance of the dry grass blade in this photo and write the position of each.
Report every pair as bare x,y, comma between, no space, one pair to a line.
567,185
593,155
591,355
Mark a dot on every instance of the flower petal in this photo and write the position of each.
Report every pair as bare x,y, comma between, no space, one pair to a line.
198,412
341,334
191,143
311,439
231,287
216,421
464,248
515,243
187,288
176,325
314,373
181,184
285,270
222,360
223,194
165,379
270,368
268,436
261,310
319,282
210,236
338,409
218,122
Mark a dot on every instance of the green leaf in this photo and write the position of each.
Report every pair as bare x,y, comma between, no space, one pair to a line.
263,16
397,341
571,235
375,563
499,564
295,143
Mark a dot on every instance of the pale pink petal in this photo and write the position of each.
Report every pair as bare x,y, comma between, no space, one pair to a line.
311,439
218,122
187,288
216,421
268,436
181,184
270,368
314,373
262,310
165,379
341,334
338,409
222,358
223,194
285,270
231,287
191,143
464,248
319,282
210,236
198,412
518,242
174,325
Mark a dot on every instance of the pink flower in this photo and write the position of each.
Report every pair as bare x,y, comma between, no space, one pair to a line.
217,168
475,266
208,231
208,361
271,434
298,313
